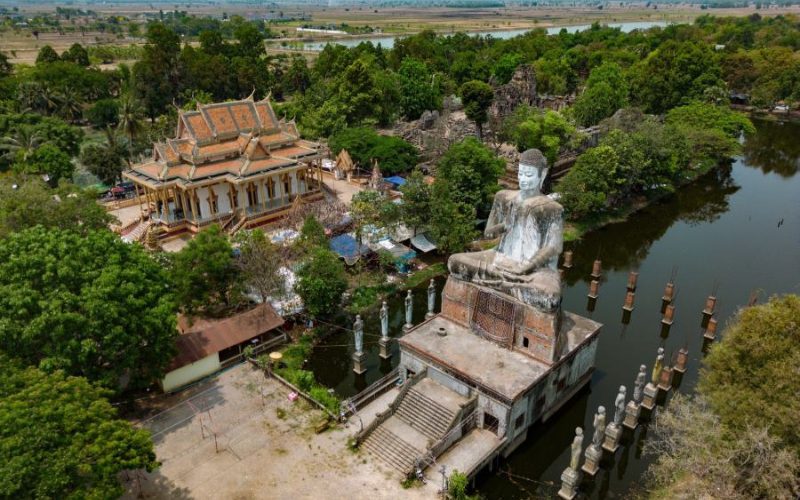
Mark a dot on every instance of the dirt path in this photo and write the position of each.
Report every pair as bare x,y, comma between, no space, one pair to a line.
265,448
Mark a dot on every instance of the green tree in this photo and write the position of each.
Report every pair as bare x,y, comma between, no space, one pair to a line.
451,222
749,376
606,91
374,210
205,275
90,304
674,74
259,263
415,210
477,96
712,131
394,155
76,54
61,438
105,160
419,89
505,67
103,113
312,234
130,121
321,281
590,183
47,55
49,161
471,170
29,202
5,66
548,131
156,74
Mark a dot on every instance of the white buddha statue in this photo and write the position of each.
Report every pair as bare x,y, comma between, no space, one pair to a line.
530,226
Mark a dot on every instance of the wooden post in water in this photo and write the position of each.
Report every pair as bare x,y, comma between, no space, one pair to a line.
633,279
597,269
630,297
594,289
567,260
669,314
711,329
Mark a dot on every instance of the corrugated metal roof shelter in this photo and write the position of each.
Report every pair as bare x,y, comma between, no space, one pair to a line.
422,243
203,337
346,246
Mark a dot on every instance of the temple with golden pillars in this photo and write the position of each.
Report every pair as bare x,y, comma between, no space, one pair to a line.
232,163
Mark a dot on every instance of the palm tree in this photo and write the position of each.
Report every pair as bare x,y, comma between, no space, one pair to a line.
71,104
21,145
130,121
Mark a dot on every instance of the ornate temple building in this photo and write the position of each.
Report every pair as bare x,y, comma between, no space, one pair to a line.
233,163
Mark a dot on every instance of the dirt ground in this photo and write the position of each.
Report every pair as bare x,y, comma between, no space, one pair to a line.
237,436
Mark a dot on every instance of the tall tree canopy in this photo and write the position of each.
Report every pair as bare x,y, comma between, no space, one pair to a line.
25,203
606,91
90,305
205,274
60,437
156,75
471,171
321,281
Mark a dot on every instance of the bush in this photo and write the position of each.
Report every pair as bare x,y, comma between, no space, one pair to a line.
394,155
104,113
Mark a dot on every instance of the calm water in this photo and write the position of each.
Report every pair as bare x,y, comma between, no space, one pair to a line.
387,42
721,232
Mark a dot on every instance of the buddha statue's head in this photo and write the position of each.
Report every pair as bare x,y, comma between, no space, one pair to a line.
532,172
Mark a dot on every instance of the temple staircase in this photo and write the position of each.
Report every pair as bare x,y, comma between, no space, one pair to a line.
138,232
419,418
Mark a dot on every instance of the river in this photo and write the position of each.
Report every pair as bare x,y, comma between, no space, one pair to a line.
387,42
736,230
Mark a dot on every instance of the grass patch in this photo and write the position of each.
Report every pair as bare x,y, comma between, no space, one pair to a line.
410,482
291,369
365,297
424,275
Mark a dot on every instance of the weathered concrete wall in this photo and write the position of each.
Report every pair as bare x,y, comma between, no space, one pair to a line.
187,374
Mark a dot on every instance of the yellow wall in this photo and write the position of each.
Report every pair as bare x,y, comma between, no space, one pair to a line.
189,373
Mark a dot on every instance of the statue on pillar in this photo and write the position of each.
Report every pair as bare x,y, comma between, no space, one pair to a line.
657,366
619,405
639,384
577,447
409,311
358,330
524,263
384,321
599,424
431,299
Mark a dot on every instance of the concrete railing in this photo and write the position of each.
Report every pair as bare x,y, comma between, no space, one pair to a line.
463,421
371,393
384,416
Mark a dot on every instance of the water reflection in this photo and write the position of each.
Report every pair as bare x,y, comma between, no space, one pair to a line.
774,148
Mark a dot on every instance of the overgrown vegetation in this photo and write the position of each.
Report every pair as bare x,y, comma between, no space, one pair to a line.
738,437
292,369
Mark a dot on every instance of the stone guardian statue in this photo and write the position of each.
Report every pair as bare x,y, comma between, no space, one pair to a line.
577,447
358,330
409,311
384,321
619,405
530,226
641,379
599,426
431,299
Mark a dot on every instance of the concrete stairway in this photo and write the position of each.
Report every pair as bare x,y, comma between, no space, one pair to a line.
137,233
424,415
391,449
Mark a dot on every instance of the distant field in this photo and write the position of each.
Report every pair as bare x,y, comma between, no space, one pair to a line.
23,47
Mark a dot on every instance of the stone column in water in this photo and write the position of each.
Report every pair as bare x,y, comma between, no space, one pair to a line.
431,300
614,429
633,409
594,453
571,477
383,343
409,312
359,356
650,390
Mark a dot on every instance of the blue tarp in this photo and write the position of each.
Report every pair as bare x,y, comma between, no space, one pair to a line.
348,248
397,181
